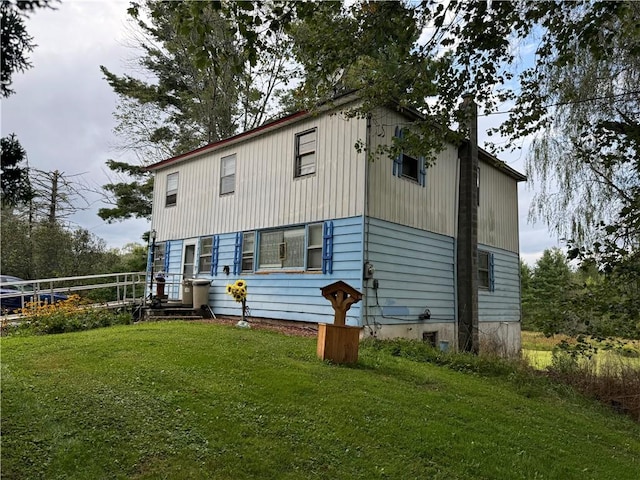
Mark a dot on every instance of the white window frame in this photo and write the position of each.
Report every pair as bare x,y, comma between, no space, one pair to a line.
171,198
228,174
305,151
205,254
314,247
285,249
248,254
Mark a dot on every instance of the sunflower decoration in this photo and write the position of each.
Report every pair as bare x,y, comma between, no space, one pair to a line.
238,290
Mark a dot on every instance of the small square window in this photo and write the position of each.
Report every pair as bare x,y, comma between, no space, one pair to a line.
410,167
172,190
305,163
227,174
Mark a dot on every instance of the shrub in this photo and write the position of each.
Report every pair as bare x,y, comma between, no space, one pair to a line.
70,315
610,379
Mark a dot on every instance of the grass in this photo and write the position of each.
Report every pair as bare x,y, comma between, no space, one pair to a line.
192,400
538,349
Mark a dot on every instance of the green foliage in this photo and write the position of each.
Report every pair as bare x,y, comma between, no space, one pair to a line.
132,198
556,299
132,402
190,102
16,187
548,295
45,250
66,316
16,41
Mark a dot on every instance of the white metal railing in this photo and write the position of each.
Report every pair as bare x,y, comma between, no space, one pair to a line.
130,286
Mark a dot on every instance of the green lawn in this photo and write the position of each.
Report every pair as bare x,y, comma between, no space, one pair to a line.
183,400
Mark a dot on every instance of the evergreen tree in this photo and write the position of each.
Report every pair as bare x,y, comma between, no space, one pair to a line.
190,103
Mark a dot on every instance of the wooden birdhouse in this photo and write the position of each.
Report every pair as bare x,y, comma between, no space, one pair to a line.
339,342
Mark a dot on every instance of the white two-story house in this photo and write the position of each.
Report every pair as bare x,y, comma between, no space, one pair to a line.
292,206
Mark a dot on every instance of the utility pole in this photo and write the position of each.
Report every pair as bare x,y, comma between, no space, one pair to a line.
467,240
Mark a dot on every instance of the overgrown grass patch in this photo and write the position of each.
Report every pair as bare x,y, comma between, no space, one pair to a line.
190,400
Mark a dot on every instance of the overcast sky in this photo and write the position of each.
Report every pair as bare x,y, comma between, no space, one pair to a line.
62,111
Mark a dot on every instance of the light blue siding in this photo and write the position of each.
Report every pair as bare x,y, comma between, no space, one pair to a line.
414,270
502,304
293,296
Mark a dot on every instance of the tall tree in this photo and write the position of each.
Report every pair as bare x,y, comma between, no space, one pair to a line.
578,95
190,103
16,187
550,291
16,41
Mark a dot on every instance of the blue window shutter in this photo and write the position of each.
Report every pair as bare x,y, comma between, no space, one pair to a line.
492,277
397,162
237,256
422,172
327,247
214,254
167,249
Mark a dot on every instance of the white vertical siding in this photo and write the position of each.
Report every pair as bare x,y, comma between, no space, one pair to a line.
498,209
266,192
404,201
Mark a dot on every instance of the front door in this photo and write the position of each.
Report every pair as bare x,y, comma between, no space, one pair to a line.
188,260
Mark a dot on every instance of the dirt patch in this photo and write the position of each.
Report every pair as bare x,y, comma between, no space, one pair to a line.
297,329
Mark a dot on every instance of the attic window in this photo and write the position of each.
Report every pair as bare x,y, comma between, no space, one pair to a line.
172,190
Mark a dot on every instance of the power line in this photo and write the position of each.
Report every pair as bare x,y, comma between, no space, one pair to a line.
573,102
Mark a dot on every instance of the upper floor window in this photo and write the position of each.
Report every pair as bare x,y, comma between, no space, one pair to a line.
172,190
410,168
478,184
227,174
305,153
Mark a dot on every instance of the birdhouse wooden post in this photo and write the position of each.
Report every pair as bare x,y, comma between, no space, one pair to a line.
339,342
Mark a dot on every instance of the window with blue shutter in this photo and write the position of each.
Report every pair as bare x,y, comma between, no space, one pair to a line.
409,167
237,255
327,247
486,276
